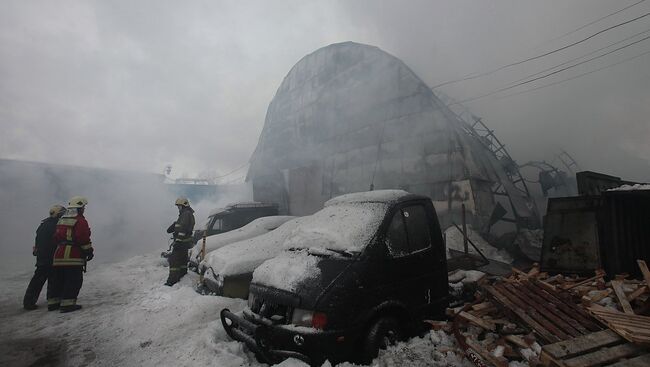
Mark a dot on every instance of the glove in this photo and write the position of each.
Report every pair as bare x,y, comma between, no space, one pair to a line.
89,256
171,228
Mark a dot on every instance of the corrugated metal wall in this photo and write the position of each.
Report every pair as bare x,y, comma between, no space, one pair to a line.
624,227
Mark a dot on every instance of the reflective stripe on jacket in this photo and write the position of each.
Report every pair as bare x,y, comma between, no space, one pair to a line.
73,238
184,226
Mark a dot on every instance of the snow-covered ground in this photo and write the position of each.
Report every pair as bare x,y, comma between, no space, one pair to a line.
130,319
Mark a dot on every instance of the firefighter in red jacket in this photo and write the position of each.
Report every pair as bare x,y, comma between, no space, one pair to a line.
74,248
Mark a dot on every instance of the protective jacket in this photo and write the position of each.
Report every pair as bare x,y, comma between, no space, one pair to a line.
182,228
44,244
73,241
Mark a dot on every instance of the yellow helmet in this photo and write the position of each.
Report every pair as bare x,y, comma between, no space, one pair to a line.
57,210
182,201
77,202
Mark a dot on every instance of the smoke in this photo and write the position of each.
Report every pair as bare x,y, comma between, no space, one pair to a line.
128,212
140,75
601,120
227,194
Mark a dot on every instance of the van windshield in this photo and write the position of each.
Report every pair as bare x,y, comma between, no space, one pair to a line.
346,227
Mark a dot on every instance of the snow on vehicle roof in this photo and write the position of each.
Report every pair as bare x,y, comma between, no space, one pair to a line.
343,226
631,187
255,228
378,196
242,205
244,256
287,270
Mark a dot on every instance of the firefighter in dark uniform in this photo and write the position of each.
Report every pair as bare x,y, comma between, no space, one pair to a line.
73,250
182,229
43,249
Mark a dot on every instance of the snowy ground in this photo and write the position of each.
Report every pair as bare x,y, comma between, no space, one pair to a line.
130,319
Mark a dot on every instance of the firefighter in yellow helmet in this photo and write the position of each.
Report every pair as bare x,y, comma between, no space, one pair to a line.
43,249
182,229
73,250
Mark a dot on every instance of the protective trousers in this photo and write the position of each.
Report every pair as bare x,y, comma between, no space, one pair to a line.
42,274
67,281
177,264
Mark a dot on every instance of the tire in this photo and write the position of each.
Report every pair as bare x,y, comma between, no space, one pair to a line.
384,332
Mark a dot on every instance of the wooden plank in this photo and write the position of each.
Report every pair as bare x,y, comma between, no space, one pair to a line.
644,270
548,312
640,361
600,310
517,340
477,321
561,297
620,316
582,344
552,307
482,306
497,361
534,271
637,292
588,280
539,329
540,317
599,296
578,313
604,355
643,328
617,285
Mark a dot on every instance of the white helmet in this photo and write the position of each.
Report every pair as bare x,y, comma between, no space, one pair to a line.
57,210
182,201
78,202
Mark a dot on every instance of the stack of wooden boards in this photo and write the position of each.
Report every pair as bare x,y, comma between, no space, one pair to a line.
561,319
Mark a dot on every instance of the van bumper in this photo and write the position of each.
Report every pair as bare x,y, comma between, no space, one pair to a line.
275,343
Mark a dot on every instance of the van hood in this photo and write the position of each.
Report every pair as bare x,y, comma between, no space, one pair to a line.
302,272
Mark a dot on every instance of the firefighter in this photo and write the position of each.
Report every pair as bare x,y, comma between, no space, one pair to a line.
43,249
182,229
73,249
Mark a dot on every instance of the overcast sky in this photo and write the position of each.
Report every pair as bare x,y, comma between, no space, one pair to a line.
139,84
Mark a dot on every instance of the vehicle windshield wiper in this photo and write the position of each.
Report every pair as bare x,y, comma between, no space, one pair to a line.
321,251
340,252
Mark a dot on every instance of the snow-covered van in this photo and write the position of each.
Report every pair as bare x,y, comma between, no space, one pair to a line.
255,228
228,270
359,274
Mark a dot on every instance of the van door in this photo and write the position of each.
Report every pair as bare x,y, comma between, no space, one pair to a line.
409,254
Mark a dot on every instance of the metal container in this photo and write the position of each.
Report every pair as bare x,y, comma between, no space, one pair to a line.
624,228
584,233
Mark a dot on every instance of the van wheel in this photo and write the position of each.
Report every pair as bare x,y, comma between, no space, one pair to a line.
384,333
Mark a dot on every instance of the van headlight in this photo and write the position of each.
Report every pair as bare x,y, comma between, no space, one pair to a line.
308,318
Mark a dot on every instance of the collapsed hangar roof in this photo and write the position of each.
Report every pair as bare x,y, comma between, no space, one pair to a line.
355,118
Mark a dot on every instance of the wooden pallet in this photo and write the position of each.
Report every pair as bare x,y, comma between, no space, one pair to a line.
601,348
547,312
634,328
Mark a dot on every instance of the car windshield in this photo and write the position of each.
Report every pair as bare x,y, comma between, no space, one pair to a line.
342,228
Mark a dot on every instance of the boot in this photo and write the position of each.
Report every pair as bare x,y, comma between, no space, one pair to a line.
71,308
29,307
53,307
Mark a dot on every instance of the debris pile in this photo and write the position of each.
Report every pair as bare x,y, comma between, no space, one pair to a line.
536,319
